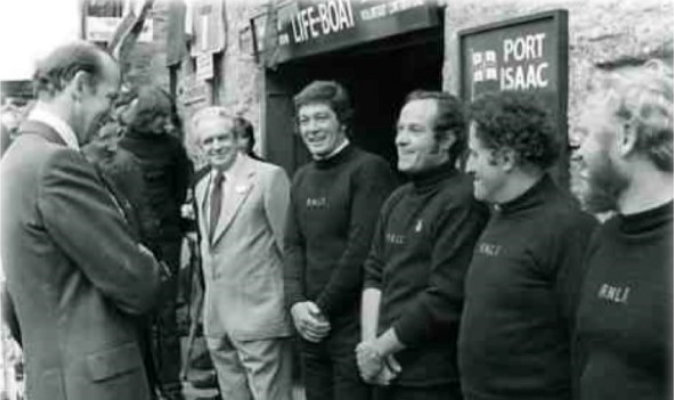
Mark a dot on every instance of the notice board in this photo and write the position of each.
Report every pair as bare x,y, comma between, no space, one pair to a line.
528,53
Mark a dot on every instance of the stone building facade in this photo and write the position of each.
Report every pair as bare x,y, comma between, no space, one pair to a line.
603,35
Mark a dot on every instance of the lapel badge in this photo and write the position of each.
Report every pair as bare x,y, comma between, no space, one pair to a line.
419,226
241,189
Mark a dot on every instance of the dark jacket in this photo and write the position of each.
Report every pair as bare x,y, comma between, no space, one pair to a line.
166,171
74,272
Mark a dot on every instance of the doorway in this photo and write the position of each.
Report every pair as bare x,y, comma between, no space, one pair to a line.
377,76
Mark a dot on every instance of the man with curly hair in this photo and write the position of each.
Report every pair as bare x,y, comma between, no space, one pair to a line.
515,333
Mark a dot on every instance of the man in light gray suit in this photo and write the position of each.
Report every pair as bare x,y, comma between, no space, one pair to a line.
241,206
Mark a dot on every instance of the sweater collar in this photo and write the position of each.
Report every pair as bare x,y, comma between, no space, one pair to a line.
646,221
428,180
335,159
532,197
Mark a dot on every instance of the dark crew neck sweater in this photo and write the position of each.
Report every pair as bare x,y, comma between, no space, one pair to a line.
624,316
521,291
333,210
420,252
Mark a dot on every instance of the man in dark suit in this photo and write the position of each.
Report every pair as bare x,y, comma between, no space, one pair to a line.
74,272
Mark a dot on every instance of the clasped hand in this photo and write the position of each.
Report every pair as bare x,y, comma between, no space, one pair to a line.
375,368
310,323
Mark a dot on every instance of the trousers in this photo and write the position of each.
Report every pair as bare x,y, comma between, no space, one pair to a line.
252,370
329,368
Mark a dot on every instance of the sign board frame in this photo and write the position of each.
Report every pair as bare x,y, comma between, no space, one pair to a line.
304,28
558,20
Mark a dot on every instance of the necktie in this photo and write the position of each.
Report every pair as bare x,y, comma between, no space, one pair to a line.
216,201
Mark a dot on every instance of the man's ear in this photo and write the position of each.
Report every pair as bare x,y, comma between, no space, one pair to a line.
447,141
508,159
80,85
627,139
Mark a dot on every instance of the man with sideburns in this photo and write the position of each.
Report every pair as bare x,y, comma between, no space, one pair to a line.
334,203
413,292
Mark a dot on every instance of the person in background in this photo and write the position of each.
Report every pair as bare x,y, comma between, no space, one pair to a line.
76,275
246,137
166,171
334,200
414,274
522,284
241,208
624,327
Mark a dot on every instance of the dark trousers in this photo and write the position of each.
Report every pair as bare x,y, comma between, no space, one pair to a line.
166,335
329,368
444,392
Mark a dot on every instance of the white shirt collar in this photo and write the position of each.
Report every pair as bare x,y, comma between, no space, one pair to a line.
335,151
55,122
230,172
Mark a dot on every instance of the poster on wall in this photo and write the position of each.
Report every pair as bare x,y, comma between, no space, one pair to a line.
529,53
206,26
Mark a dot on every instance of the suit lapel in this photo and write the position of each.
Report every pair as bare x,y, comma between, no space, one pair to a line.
200,193
236,193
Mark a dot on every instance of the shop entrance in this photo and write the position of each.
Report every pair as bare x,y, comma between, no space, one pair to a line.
378,76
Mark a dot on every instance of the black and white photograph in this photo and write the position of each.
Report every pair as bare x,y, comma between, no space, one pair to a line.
336,199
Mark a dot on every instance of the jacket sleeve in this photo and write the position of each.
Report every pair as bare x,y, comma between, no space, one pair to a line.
85,223
276,199
438,307
294,262
372,185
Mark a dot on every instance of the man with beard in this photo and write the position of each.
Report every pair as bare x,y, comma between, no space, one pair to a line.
334,203
624,316
420,252
515,337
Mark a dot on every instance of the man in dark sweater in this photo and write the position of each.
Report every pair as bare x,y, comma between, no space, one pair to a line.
624,316
515,336
421,249
165,168
334,203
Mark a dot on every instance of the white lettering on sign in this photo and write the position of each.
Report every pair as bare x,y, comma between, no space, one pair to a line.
322,19
524,77
530,72
523,48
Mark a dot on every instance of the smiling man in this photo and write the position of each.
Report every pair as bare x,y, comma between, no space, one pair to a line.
241,206
420,252
521,287
77,277
334,204
625,311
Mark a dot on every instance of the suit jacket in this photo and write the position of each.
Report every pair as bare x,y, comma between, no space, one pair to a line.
242,261
74,272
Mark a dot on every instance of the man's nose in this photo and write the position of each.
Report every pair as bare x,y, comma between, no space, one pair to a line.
402,138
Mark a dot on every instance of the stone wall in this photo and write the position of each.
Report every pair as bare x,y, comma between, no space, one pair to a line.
240,78
147,59
603,35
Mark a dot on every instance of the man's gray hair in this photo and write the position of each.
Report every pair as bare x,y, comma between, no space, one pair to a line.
641,98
